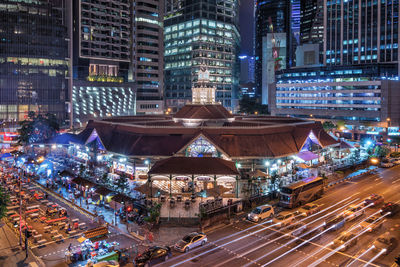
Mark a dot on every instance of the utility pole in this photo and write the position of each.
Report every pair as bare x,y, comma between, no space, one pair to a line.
20,210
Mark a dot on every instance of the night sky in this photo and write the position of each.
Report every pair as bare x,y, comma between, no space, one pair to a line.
246,19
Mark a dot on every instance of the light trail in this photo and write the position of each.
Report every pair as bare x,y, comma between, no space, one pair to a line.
250,234
324,247
375,257
359,257
296,238
315,263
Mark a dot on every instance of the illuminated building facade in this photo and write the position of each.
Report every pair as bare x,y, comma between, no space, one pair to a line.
361,32
353,94
33,59
105,100
201,33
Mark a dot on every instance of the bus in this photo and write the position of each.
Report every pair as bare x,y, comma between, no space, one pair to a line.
301,192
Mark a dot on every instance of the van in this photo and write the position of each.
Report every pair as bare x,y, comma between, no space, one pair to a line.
261,213
334,222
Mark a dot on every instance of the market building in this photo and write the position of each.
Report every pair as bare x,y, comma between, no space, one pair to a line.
204,136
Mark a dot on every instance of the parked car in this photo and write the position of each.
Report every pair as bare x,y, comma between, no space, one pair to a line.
386,242
390,207
343,241
283,219
309,209
191,241
334,222
153,256
261,213
372,223
374,199
353,212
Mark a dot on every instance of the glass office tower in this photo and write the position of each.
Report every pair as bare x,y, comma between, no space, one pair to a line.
201,33
33,59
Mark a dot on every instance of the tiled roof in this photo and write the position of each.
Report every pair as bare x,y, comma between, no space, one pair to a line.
194,166
204,112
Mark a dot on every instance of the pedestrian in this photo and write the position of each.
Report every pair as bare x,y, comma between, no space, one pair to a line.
46,195
69,247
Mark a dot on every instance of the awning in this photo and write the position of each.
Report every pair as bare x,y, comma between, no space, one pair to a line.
307,155
6,155
258,173
302,166
345,145
103,191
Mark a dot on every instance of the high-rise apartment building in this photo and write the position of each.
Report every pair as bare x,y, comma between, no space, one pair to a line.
361,32
33,59
148,55
312,21
201,33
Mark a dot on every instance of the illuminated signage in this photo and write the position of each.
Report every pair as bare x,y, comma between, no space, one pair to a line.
372,132
82,155
125,168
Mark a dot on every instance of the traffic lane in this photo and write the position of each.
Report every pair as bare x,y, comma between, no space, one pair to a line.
229,235
239,244
202,254
363,190
333,199
388,193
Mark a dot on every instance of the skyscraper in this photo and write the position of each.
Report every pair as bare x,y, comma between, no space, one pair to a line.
312,21
147,55
361,33
201,33
33,59
272,16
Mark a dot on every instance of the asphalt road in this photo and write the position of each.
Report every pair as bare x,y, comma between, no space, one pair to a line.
244,243
52,253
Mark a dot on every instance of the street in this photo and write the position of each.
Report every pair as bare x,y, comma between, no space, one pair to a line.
244,243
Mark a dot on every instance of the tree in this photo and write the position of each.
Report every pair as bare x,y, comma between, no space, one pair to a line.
104,179
381,151
250,106
122,183
328,126
4,199
37,128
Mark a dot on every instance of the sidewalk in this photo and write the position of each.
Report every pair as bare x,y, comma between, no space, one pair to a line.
11,252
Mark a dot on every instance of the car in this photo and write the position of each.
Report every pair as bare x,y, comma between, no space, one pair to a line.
191,241
152,256
386,242
343,241
372,223
261,213
396,161
374,199
353,212
385,163
309,209
391,208
334,222
311,235
283,219
299,229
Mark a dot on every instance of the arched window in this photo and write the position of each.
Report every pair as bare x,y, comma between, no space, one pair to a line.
201,148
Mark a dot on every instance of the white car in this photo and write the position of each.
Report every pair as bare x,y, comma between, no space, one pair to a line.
283,219
261,213
191,241
353,212
309,209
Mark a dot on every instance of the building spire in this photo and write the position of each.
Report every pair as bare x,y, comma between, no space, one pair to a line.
202,90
